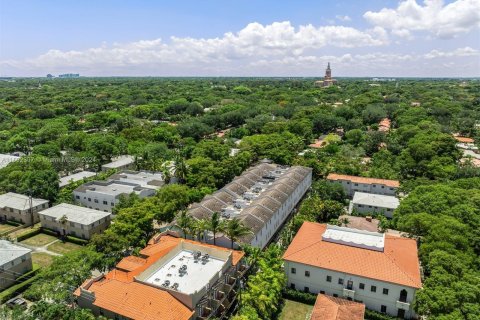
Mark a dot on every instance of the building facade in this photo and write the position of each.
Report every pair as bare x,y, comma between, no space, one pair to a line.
14,262
171,279
120,163
20,208
378,270
327,81
68,219
352,184
261,198
369,203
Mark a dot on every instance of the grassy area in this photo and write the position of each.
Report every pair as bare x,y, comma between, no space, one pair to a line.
62,248
295,311
39,240
42,259
5,227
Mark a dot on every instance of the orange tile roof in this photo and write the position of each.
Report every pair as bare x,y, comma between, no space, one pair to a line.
464,139
398,263
356,179
331,308
319,143
384,124
118,291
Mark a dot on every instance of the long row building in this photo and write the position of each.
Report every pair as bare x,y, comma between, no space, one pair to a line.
262,197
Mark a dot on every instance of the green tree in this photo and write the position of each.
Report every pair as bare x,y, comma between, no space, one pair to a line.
234,229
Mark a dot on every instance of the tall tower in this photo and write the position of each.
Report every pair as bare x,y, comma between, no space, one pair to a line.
328,72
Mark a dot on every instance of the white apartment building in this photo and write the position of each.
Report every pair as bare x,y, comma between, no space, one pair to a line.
352,184
6,159
368,203
14,261
145,179
64,181
68,219
16,207
380,270
120,163
262,198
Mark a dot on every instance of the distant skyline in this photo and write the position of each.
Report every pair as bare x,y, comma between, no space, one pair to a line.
375,38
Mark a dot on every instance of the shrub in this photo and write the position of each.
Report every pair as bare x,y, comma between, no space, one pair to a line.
299,296
29,234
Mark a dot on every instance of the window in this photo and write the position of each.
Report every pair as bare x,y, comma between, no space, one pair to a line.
385,291
383,187
90,199
306,289
322,292
373,288
112,204
307,273
105,202
356,184
335,295
292,285
78,197
72,224
362,286
329,278
95,200
293,270
340,281
383,309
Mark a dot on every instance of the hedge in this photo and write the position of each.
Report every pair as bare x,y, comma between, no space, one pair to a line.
13,223
373,315
29,234
14,290
299,296
76,240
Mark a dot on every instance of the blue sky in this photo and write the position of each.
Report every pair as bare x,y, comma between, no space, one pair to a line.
240,38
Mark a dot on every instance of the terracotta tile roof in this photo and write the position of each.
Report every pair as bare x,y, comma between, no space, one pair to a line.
355,179
384,124
118,292
331,308
464,139
398,263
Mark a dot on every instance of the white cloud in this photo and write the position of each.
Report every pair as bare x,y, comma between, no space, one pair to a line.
343,18
443,21
460,52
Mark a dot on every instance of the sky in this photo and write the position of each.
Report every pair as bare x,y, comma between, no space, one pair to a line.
368,38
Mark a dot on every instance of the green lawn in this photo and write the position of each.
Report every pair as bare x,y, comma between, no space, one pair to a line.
42,259
39,240
295,311
62,248
5,227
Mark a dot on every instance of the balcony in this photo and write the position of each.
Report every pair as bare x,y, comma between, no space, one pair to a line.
347,293
403,305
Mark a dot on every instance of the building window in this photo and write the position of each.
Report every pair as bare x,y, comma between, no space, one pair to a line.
90,199
385,291
294,270
307,273
112,204
329,278
292,285
340,281
383,309
78,197
95,200
322,292
335,295
362,286
356,184
105,202
373,288
306,289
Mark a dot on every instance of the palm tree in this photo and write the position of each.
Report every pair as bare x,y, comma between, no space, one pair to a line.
64,221
215,224
199,228
181,169
184,221
235,229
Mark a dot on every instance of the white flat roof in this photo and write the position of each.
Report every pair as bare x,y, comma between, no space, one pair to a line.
111,188
75,177
10,251
354,237
19,201
74,213
197,274
377,200
6,159
120,162
142,178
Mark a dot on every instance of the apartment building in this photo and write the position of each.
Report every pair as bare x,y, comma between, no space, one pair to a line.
16,207
262,198
381,271
120,163
370,203
64,181
14,262
68,219
171,279
352,184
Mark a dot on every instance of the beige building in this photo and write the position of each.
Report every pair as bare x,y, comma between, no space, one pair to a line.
73,220
16,207
14,262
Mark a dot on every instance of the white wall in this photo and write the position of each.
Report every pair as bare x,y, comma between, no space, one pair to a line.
350,188
387,212
373,300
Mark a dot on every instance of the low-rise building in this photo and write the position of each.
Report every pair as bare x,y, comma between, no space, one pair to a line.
262,198
64,181
145,179
384,125
14,262
68,219
379,270
104,195
374,203
20,208
171,279
331,308
120,163
6,159
352,184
